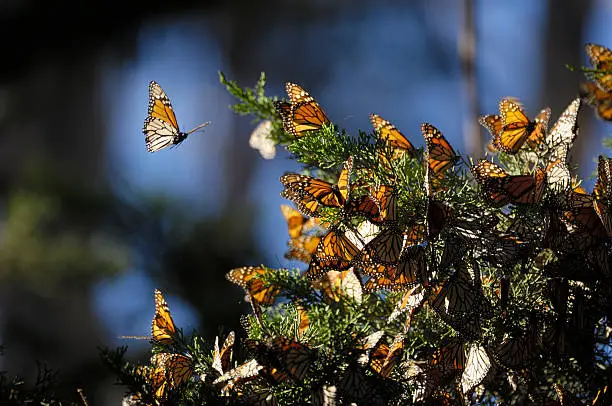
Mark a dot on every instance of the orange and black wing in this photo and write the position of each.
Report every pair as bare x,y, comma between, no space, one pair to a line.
305,113
441,155
160,126
250,279
163,330
601,59
391,134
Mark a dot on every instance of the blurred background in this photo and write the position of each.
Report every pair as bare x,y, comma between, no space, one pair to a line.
92,223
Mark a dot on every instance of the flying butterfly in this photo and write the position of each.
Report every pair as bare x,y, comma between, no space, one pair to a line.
440,154
163,329
302,114
601,59
601,100
161,128
512,128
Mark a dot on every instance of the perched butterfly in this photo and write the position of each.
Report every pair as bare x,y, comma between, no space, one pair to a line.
600,99
309,193
337,285
441,155
450,357
477,367
324,395
561,137
292,357
243,373
302,114
393,137
502,188
161,129
583,214
566,398
601,59
410,270
250,279
516,352
169,372
222,357
163,330
512,128
410,301
384,358
335,252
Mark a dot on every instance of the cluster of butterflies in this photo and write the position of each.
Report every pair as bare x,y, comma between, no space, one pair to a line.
360,234
598,92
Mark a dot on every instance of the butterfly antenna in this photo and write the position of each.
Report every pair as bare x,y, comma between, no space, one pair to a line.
198,127
134,337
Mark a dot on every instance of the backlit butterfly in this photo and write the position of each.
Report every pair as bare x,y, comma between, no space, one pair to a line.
600,99
337,285
441,155
601,59
302,114
309,193
512,128
502,188
410,270
561,137
163,330
393,137
335,252
292,357
250,279
222,357
161,129
169,372
384,358
477,367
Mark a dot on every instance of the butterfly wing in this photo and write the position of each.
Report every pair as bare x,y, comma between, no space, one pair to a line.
516,127
441,154
391,134
160,127
601,59
250,279
305,114
163,329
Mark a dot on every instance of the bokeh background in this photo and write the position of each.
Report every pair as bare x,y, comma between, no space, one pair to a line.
92,223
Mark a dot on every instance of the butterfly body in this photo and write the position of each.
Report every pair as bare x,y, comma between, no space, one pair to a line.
161,128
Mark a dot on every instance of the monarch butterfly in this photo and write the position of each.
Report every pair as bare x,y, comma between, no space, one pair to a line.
600,99
502,188
477,367
294,358
458,296
302,321
603,185
245,372
583,213
385,197
393,137
250,279
438,215
169,372
337,285
601,59
295,220
222,357
384,358
512,128
325,395
302,114
450,357
303,247
310,193
561,138
410,270
410,301
515,352
566,398
163,329
335,252
441,155
160,128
